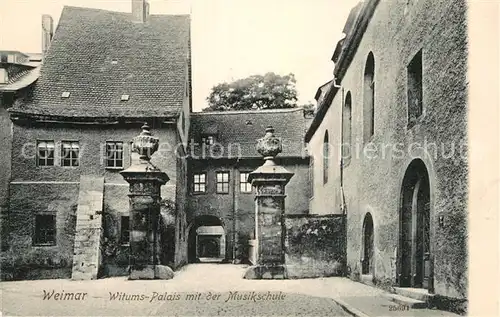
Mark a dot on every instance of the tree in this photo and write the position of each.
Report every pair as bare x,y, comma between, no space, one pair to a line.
269,91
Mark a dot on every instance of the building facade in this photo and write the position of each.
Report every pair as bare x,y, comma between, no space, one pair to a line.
389,142
222,155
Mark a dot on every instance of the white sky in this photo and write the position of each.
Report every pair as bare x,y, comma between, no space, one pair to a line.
231,39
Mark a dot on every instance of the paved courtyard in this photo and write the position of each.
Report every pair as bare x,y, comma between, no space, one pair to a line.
196,290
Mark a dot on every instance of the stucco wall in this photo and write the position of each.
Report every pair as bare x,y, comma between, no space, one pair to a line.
37,189
373,181
243,205
315,245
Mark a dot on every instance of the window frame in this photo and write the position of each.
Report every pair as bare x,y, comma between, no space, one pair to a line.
62,158
217,182
36,233
194,183
114,159
46,158
246,183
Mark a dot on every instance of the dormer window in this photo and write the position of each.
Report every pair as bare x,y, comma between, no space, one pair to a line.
125,97
4,77
65,94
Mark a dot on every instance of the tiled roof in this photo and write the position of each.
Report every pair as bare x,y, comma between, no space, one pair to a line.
244,128
98,56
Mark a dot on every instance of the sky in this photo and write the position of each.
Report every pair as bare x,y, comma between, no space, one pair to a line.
231,39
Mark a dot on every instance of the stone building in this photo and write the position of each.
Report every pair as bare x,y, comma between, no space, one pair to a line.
389,146
223,153
104,75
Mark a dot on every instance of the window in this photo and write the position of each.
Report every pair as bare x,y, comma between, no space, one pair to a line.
200,183
414,89
45,153
70,152
326,153
222,182
125,230
3,58
45,230
114,154
369,99
245,186
11,58
346,129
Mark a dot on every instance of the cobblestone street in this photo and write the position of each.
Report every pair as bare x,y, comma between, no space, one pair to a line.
196,290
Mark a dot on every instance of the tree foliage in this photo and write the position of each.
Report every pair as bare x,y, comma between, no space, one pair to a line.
269,91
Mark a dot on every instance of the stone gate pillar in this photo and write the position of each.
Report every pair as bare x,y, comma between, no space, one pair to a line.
269,180
145,181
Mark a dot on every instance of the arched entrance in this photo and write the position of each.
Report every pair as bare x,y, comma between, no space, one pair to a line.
367,249
207,240
414,228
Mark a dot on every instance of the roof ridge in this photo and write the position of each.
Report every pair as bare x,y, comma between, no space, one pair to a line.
248,111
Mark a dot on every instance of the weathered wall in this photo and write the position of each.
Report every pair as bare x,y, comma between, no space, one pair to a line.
373,180
315,245
241,206
35,189
5,158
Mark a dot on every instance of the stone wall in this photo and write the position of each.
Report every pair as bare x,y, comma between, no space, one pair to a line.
315,245
55,189
373,179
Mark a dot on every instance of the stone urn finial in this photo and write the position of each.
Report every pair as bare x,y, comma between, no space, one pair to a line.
145,144
269,146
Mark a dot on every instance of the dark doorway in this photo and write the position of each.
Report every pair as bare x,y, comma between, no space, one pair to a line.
415,245
367,260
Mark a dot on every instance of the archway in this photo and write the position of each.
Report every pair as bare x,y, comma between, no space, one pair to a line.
207,240
414,228
367,260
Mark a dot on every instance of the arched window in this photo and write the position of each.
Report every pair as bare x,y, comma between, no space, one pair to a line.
346,129
369,98
326,153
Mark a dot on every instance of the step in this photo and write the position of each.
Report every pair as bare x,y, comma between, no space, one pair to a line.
415,293
410,302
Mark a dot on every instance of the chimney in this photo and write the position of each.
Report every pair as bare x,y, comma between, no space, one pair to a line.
140,11
47,32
